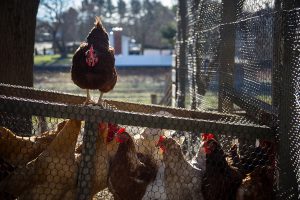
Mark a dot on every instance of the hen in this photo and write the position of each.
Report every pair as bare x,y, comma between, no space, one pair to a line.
130,172
18,150
5,169
258,169
94,63
147,140
51,174
248,159
182,180
221,180
258,185
146,144
106,148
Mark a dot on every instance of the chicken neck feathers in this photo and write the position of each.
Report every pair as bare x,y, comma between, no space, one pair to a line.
130,172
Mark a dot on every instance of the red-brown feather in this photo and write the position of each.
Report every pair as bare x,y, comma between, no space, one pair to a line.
102,75
221,181
130,172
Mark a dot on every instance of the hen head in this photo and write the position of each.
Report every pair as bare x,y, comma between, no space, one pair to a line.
168,145
110,131
121,136
209,144
98,35
160,143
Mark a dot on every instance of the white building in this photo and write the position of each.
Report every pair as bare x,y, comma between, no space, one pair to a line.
124,58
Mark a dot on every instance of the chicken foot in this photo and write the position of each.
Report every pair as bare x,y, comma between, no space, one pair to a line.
100,98
88,99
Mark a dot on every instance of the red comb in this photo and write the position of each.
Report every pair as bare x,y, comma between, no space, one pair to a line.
121,130
207,136
161,139
113,129
119,136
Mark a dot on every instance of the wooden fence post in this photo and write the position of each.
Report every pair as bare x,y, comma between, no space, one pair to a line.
226,54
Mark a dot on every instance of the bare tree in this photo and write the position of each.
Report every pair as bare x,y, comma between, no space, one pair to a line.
69,27
146,22
53,16
110,8
121,9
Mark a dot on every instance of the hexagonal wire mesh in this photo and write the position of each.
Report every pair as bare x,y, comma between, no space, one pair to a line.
244,55
61,149
53,147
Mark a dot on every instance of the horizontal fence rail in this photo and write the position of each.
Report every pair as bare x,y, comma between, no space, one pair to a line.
97,114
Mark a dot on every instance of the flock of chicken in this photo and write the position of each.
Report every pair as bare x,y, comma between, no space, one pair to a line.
146,166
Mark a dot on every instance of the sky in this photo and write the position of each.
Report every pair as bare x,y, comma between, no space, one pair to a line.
77,4
164,2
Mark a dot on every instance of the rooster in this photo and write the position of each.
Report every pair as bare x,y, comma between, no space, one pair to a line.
182,180
52,173
94,63
220,180
130,172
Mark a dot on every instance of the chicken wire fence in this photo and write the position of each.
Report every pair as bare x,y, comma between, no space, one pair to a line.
243,56
52,146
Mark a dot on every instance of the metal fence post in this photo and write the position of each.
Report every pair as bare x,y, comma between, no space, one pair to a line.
86,168
289,108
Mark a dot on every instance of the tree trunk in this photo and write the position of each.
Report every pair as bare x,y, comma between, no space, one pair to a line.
227,53
181,53
17,31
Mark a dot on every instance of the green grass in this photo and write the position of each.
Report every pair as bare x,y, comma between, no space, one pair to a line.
265,98
52,60
209,101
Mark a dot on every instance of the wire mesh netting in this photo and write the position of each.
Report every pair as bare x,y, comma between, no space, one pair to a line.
229,48
238,57
54,147
243,57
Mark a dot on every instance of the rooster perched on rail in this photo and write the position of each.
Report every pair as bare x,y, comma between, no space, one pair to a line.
94,63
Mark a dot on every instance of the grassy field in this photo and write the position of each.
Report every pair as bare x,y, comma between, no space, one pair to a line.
52,60
134,85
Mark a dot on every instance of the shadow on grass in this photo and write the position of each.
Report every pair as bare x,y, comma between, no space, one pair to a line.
52,60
